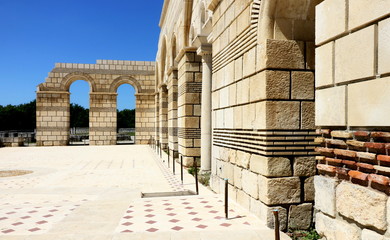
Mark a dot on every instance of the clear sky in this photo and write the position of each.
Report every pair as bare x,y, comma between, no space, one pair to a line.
35,34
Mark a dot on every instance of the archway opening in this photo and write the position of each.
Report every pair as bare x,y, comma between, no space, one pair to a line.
126,114
79,113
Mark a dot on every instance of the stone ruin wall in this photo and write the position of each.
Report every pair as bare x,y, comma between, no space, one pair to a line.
104,77
352,110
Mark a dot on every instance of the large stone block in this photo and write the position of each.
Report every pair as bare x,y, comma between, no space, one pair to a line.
242,159
309,189
237,177
334,229
325,194
330,19
384,46
270,166
368,109
279,190
307,115
250,183
354,58
265,213
270,85
300,216
365,206
302,85
243,199
330,107
360,13
284,54
249,62
304,166
371,235
282,115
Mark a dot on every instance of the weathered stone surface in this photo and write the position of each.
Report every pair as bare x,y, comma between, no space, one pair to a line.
307,115
325,194
279,190
335,229
330,19
284,54
371,235
366,206
324,65
304,166
265,214
243,199
300,216
270,166
360,107
327,101
351,47
309,189
360,13
237,177
282,115
383,46
302,85
242,159
250,183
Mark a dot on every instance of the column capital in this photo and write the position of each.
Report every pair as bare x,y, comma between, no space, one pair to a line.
204,50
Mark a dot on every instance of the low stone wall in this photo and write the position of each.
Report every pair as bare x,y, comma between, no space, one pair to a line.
351,194
12,142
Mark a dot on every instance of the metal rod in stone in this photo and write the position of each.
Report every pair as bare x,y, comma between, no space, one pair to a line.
276,220
173,163
196,177
168,157
181,168
160,150
226,199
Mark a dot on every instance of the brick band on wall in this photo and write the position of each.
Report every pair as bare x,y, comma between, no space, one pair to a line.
189,133
361,157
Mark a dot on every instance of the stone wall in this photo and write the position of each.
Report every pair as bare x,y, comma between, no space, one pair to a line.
104,78
352,85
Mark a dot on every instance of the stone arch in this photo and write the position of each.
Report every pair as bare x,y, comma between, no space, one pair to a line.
163,60
72,77
123,80
287,20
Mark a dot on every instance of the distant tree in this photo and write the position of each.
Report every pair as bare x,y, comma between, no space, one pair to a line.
79,116
126,118
18,117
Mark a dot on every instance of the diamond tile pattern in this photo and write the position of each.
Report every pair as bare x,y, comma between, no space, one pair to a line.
33,218
202,215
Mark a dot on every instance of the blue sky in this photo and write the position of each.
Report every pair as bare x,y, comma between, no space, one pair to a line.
36,34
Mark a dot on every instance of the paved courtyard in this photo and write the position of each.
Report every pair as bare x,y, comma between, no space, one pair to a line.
93,193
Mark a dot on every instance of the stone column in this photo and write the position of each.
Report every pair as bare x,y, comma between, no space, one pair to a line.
205,52
163,112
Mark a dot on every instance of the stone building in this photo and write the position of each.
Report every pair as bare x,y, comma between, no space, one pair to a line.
240,87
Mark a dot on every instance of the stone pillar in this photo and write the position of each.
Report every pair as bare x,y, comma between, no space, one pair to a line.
205,52
53,118
102,118
189,108
157,116
172,109
163,116
144,117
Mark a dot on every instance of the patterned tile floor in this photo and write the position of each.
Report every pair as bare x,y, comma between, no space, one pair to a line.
34,218
192,213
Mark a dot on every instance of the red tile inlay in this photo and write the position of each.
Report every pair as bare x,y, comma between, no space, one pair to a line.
167,204
213,211
204,201
201,226
149,210
174,220
208,206
177,228
186,203
225,224
49,215
16,224
171,214
196,219
152,230
41,222
32,211
128,217
192,213
246,223
169,209
126,231
129,211
8,231
10,213
189,208
25,217
3,218
149,215
151,222
53,210
127,223
34,229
